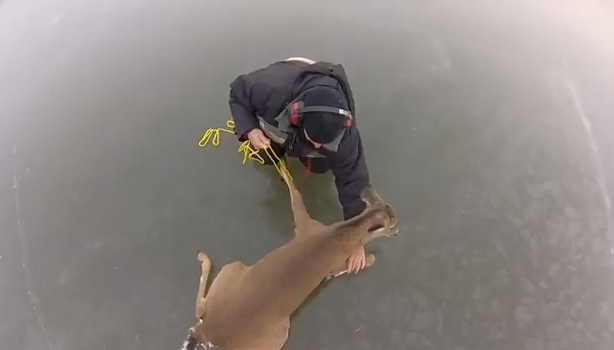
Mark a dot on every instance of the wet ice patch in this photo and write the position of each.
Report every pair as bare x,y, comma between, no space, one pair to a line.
63,277
56,19
443,59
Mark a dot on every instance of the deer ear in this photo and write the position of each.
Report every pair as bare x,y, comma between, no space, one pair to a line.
369,196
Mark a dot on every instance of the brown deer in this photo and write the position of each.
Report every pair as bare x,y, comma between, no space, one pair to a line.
249,307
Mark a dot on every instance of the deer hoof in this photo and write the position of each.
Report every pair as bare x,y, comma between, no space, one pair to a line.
202,257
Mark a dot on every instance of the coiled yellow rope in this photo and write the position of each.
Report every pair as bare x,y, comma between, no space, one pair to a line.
246,148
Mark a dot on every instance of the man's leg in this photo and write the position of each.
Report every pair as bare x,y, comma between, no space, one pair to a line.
317,165
279,151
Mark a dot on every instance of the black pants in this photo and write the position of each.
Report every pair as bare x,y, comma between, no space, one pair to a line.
317,165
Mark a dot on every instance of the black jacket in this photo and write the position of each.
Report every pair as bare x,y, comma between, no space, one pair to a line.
267,91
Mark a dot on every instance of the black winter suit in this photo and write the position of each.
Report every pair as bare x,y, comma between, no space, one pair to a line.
267,91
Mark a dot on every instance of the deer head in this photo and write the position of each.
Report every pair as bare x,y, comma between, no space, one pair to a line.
381,217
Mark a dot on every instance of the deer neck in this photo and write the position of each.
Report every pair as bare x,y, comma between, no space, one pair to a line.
351,238
353,233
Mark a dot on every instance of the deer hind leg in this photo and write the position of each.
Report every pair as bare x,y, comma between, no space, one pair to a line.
342,269
303,222
205,264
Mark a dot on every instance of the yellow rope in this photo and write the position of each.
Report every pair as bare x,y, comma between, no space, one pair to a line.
216,134
246,148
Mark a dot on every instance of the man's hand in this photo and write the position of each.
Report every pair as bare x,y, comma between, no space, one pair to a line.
357,260
257,139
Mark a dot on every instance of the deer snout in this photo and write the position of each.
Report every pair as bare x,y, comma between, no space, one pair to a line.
394,231
393,228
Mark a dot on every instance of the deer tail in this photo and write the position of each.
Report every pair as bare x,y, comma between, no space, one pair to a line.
190,342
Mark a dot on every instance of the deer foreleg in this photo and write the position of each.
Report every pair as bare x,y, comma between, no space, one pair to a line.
205,264
302,220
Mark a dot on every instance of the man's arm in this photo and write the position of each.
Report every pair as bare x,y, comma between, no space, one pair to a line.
349,167
241,108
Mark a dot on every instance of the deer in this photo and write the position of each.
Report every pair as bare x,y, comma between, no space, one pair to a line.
249,307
